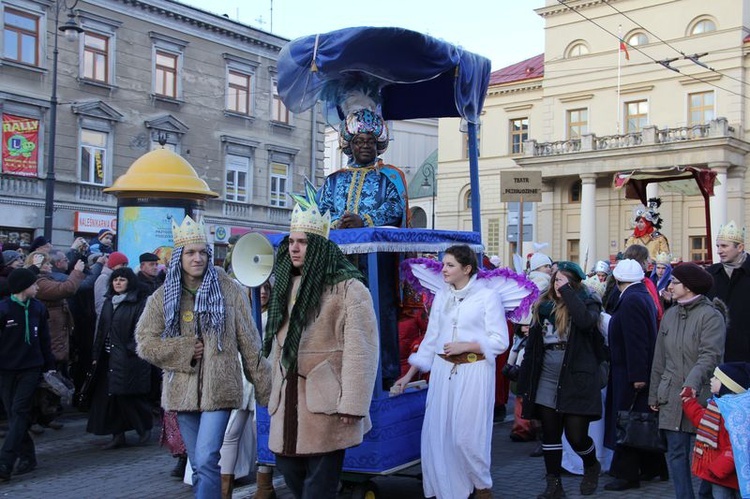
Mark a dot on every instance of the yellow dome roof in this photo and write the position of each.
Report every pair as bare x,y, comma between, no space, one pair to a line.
161,170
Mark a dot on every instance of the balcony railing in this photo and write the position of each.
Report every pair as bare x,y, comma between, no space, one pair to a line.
650,135
28,187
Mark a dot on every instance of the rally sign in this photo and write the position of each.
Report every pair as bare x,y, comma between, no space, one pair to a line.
20,140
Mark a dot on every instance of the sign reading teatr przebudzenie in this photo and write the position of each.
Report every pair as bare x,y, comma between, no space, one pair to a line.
517,185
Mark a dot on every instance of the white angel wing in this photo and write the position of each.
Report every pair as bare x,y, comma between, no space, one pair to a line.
424,274
516,291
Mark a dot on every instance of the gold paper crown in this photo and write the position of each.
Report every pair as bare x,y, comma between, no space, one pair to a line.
190,232
306,216
662,258
731,233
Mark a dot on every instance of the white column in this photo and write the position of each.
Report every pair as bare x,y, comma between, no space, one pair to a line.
587,239
718,202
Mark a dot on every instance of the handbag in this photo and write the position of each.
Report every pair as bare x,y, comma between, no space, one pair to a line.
86,392
639,430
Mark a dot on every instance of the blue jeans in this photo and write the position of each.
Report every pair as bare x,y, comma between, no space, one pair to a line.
203,433
17,391
721,492
679,449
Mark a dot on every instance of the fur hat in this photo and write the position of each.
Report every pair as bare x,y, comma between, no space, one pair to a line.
695,278
628,271
20,280
37,243
734,377
539,260
116,258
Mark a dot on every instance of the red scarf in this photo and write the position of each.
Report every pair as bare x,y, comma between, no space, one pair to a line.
648,229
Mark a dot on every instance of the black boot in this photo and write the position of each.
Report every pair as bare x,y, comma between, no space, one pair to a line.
590,478
554,488
179,469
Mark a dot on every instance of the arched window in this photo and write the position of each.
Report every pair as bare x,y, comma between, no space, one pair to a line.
577,49
467,200
637,39
701,26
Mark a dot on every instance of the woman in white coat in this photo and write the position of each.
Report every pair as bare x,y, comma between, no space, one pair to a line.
466,331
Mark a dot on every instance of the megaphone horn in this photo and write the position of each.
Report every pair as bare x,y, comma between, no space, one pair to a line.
252,259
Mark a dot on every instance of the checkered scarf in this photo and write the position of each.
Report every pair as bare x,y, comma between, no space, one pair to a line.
209,301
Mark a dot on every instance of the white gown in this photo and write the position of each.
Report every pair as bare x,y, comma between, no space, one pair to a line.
457,429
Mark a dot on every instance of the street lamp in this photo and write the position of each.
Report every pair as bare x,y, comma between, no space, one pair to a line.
429,181
71,30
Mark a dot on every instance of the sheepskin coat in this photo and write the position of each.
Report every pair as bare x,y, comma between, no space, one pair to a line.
337,366
53,293
215,382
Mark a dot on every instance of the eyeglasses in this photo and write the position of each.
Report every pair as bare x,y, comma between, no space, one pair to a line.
674,282
362,142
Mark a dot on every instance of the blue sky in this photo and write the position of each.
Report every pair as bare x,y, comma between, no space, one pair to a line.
505,31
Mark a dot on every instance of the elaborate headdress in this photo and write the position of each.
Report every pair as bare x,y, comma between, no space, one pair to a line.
731,233
662,259
306,216
189,232
357,100
649,213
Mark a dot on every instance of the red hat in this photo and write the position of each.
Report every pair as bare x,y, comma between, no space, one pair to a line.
116,258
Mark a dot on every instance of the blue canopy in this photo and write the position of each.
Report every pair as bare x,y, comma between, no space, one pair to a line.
419,76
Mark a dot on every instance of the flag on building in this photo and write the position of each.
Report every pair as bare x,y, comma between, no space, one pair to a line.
624,48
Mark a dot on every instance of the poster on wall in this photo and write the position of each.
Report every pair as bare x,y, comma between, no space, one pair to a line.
144,229
20,145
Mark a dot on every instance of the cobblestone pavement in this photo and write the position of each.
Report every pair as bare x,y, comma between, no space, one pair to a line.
71,465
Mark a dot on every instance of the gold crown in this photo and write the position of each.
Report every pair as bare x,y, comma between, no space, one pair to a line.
731,233
306,216
662,258
190,232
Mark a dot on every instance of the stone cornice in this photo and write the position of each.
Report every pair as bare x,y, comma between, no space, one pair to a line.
559,8
514,89
210,22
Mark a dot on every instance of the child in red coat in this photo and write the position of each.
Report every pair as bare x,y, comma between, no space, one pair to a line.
713,460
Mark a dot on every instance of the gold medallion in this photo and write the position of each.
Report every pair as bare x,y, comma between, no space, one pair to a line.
471,357
187,316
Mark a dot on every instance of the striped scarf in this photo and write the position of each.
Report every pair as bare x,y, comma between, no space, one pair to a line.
325,265
708,428
209,301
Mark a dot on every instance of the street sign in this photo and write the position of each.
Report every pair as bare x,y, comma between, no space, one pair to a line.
518,185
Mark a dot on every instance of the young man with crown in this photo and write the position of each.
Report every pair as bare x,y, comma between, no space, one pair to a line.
193,328
732,286
322,341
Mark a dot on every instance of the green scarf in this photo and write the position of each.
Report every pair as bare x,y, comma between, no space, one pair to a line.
25,305
325,266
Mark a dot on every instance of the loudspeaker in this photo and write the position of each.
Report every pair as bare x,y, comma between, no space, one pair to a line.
252,259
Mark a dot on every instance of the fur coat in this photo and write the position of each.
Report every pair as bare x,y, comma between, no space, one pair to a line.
337,366
215,382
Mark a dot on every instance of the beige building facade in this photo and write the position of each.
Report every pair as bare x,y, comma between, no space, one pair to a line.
144,71
582,111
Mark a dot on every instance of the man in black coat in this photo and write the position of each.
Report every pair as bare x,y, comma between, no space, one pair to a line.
148,273
732,286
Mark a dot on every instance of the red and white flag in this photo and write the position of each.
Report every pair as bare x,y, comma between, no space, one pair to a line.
624,48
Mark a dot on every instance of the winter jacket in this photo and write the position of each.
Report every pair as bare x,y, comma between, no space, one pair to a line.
337,366
15,353
734,293
579,388
215,382
713,465
54,292
689,346
128,373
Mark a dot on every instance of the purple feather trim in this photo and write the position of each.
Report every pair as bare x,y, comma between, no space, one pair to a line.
524,282
435,266
432,265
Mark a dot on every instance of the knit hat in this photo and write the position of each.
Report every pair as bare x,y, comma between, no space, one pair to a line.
147,257
37,243
20,280
103,233
539,260
10,256
695,278
573,268
116,258
628,271
734,377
